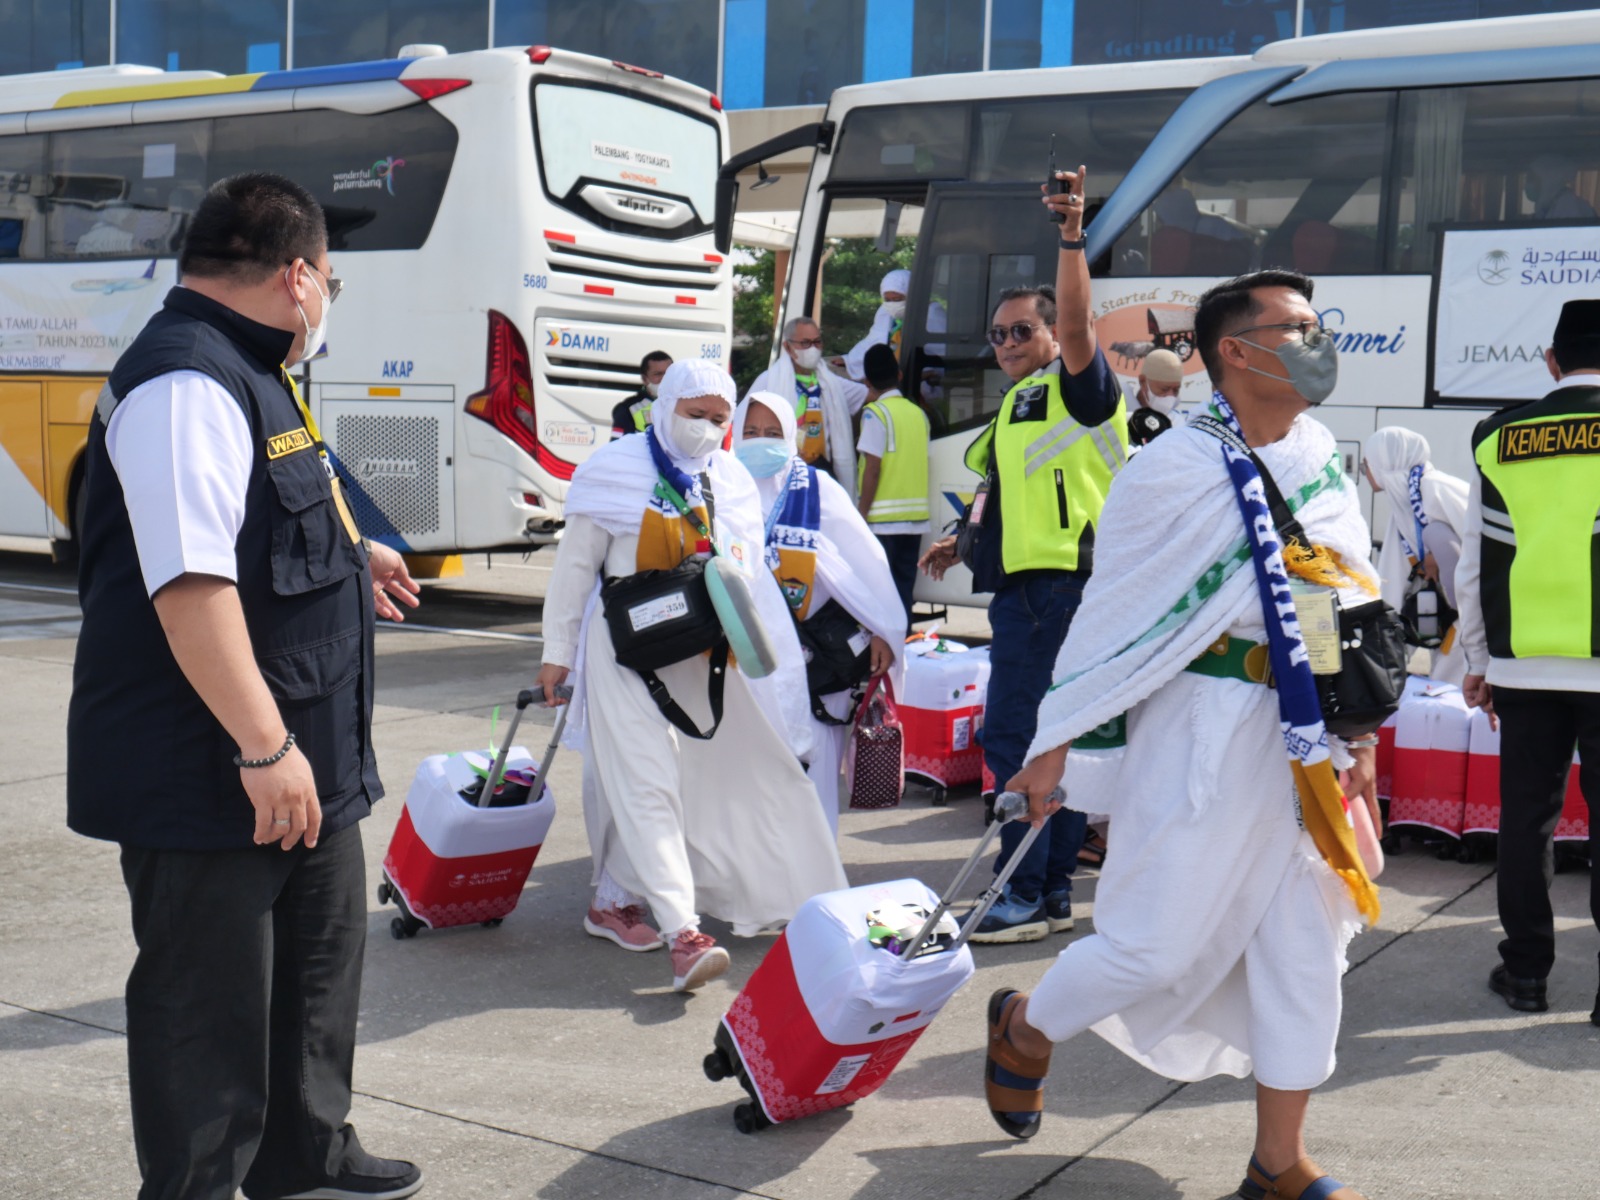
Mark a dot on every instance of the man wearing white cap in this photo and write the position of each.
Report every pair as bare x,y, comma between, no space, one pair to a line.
1160,380
888,323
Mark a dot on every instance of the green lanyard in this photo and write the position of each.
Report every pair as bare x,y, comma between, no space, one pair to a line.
670,494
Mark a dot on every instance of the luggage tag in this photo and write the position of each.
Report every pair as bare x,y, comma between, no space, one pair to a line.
1317,610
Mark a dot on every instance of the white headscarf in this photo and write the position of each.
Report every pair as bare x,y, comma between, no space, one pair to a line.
768,488
685,380
1418,494
895,281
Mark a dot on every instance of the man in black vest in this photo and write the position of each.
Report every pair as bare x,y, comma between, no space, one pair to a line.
220,724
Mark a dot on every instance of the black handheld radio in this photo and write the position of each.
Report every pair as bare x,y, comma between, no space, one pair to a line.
1057,186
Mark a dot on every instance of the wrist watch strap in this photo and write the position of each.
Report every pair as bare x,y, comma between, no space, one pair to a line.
1077,245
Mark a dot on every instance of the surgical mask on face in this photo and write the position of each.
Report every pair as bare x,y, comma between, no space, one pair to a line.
651,390
808,358
1162,404
318,334
895,308
763,457
1311,361
696,437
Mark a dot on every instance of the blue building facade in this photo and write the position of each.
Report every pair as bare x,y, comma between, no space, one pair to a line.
754,53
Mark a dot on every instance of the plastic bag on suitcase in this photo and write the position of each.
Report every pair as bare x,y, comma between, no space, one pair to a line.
875,763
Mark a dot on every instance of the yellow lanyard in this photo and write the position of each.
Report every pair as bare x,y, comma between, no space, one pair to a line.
334,482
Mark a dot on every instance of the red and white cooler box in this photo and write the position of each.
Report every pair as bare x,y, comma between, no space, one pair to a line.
1431,737
827,1016
454,863
1483,788
941,711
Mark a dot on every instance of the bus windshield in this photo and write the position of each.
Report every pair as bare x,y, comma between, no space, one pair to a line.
628,164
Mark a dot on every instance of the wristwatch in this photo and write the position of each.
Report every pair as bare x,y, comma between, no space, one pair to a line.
1077,245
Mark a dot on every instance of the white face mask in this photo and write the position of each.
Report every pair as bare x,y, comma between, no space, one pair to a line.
652,390
696,437
1162,404
317,335
809,358
895,308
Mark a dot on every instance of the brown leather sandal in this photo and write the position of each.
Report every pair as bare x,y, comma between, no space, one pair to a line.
1013,1083
1303,1181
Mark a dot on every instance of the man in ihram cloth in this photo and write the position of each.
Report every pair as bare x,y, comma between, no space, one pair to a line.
1234,884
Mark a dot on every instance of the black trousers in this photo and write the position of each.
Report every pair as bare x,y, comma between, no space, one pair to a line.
1538,730
242,1016
903,550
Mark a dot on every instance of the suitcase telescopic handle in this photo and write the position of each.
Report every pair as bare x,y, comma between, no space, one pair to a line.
497,773
1008,806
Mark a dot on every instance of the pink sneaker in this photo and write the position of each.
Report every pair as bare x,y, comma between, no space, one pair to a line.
624,926
696,960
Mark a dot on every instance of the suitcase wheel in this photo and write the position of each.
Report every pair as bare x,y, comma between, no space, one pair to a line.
401,929
716,1066
747,1118
384,892
941,797
493,922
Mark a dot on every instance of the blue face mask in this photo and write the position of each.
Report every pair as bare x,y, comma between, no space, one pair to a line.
764,457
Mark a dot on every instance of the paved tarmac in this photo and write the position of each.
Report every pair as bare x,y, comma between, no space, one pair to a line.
533,1061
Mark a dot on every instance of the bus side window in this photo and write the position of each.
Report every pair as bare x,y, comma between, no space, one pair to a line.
1500,152
125,192
23,181
1291,185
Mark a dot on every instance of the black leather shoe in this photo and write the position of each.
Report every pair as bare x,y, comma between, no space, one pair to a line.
369,1179
1524,995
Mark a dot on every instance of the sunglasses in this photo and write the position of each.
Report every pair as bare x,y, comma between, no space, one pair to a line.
335,284
1311,333
1019,333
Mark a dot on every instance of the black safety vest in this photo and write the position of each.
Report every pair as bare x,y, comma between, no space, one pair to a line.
147,763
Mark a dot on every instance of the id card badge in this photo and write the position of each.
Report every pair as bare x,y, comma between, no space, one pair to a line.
980,501
1317,610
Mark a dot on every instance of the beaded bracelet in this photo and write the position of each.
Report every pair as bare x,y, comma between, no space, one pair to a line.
1363,743
288,744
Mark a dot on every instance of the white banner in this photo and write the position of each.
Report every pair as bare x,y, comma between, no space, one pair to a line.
1500,292
76,317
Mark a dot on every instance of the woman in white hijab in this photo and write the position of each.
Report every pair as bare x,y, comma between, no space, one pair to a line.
889,320
820,550
1427,516
677,824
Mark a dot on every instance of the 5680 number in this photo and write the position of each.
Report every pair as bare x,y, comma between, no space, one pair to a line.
536,281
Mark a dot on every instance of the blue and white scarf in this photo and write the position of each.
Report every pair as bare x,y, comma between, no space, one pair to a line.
1420,518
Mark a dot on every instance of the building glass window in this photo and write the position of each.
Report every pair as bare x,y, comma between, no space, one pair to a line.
24,185
1335,16
787,52
125,192
947,37
363,30
181,35
42,35
1518,153
675,37
1292,185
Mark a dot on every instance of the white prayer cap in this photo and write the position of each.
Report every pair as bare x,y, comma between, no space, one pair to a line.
692,377
1390,454
1162,366
769,400
895,281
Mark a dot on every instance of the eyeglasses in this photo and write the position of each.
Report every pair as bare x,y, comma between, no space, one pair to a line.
1019,333
335,284
1311,333
806,343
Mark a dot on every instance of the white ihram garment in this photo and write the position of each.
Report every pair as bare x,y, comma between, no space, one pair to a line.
1220,933
727,827
841,399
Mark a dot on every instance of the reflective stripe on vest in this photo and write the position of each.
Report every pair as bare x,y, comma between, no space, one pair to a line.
902,493
640,410
1054,474
1540,575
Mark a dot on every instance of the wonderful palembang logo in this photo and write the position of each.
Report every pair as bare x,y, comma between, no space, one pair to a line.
1494,268
379,175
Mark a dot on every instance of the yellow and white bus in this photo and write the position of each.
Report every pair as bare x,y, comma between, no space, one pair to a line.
516,229
1440,182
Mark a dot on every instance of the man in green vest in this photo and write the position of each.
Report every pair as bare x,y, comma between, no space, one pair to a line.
631,414
892,469
1047,461
1529,589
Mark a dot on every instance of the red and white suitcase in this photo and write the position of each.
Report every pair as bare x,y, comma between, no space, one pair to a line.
1429,787
847,989
1482,811
947,684
466,840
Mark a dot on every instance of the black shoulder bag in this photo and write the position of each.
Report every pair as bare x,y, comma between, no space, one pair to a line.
657,618
1427,614
1372,672
838,653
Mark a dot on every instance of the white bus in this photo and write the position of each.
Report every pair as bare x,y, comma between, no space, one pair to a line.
1381,163
516,229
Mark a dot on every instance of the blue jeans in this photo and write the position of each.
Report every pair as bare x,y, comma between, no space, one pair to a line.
1029,621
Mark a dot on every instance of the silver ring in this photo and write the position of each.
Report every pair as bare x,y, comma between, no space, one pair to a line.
282,821
1071,199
